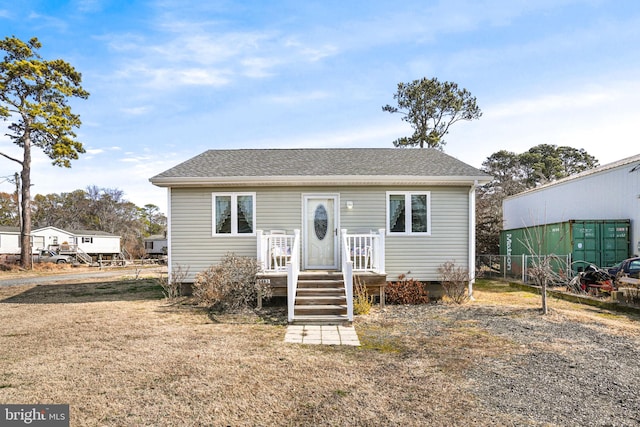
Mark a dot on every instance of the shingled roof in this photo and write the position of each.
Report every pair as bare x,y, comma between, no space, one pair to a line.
370,165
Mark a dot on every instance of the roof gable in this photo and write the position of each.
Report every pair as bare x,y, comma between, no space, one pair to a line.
9,229
76,233
633,162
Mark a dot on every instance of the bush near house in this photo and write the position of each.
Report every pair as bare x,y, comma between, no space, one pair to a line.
231,285
406,291
454,281
173,284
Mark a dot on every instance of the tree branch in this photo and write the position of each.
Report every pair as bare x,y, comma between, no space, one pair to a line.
11,158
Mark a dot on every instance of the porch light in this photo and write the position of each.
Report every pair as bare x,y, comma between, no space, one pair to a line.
349,204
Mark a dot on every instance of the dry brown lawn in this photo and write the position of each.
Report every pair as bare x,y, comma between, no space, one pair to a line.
121,355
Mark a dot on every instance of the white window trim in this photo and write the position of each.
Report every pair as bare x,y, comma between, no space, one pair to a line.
234,214
407,201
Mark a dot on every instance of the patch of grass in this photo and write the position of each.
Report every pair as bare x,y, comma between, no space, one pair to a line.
610,316
379,339
381,344
341,393
492,286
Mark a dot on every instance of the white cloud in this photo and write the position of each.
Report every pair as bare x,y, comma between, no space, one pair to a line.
196,53
130,176
587,98
379,134
90,6
297,98
136,111
40,21
600,120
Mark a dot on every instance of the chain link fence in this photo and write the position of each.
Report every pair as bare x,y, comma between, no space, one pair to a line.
517,267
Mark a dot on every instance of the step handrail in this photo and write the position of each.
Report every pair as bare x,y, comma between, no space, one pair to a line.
83,256
347,274
293,269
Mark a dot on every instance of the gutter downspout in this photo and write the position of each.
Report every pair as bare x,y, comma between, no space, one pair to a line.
472,237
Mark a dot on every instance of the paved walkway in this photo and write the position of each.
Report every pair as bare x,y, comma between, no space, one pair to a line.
321,334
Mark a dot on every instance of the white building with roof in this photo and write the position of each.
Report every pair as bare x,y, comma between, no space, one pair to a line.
608,192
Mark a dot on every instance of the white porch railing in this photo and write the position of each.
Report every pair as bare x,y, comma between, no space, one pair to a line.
275,250
365,251
280,253
361,252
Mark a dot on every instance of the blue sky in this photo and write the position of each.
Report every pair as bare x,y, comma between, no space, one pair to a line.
172,78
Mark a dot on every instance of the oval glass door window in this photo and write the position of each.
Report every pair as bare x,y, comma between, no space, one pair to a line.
320,222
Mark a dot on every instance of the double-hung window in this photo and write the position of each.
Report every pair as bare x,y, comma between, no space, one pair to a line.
234,213
409,213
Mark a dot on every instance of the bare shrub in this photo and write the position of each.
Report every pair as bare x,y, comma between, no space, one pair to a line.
362,301
406,291
231,285
454,281
172,284
8,267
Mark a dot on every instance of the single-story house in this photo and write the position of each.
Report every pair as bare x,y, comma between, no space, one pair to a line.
83,244
378,213
9,240
155,245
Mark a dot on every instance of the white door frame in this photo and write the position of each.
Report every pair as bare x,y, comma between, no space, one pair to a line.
335,231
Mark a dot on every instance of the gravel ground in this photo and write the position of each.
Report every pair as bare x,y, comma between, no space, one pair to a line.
562,371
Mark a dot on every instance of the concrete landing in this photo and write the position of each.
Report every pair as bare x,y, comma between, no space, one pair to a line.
322,334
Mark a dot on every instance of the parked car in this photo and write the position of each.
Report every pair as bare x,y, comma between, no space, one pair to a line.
630,267
51,256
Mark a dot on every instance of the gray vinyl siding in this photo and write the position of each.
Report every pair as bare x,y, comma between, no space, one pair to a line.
192,243
193,246
419,257
279,209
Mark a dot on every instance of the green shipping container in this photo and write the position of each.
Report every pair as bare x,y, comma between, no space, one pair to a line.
600,242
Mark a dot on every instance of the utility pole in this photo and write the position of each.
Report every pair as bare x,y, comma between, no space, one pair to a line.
17,178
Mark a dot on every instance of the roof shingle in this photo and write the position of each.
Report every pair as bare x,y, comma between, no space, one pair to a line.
321,162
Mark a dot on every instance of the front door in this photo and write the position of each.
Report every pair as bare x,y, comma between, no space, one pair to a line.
320,232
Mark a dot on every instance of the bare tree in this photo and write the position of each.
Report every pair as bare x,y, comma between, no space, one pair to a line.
545,267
